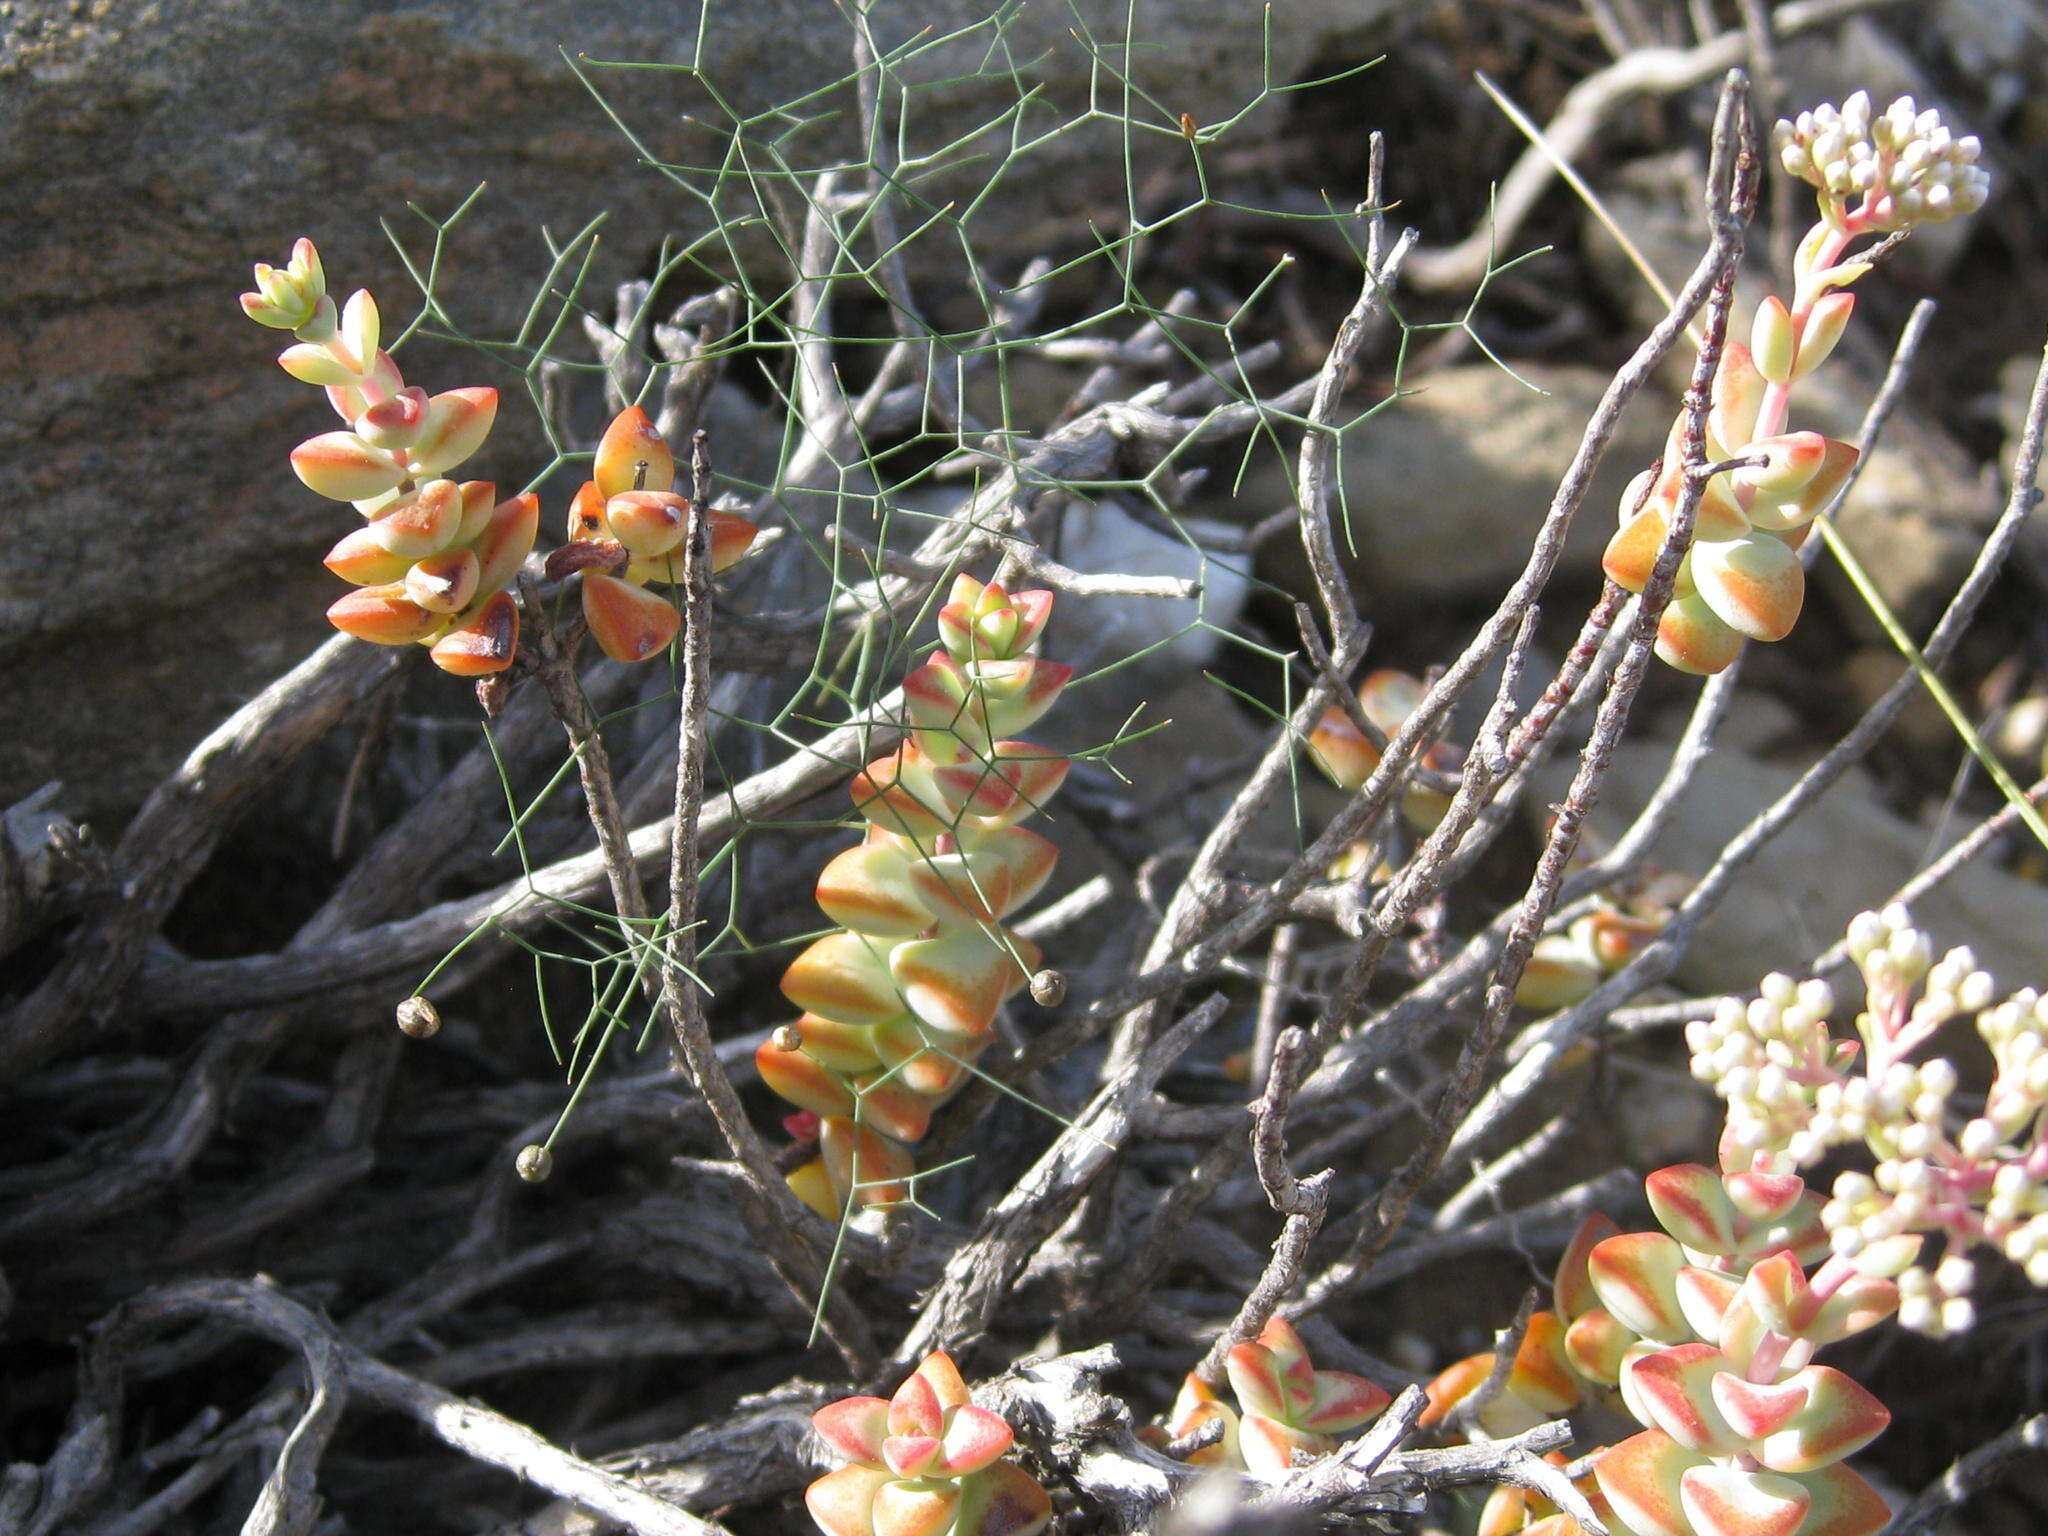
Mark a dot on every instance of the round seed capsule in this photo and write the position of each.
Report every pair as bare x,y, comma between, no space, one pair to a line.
535,1163
419,1018
1048,987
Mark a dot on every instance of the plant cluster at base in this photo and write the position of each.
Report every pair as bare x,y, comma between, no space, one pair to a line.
900,1000
1742,578
925,1462
434,556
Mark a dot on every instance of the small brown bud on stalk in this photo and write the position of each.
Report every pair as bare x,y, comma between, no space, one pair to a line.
1048,987
419,1018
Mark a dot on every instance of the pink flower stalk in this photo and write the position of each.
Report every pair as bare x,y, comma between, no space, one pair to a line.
926,1462
899,1001
434,557
1742,577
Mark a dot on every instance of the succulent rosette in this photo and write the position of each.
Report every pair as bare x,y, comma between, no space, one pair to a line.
1286,1410
902,997
627,524
434,556
926,1462
1744,1435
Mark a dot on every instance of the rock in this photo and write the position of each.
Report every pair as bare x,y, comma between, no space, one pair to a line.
1846,854
1447,486
153,149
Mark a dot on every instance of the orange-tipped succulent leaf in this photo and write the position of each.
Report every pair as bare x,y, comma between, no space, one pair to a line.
862,1165
1692,638
483,644
1728,1501
479,500
1636,1275
956,981
922,1508
384,615
1642,1479
1342,751
632,456
1691,1204
506,540
869,888
844,976
629,623
648,523
731,537
586,513
342,467
843,1502
360,560
1755,585
422,523
456,425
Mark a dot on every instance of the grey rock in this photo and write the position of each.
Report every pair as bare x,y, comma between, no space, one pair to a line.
1848,853
153,148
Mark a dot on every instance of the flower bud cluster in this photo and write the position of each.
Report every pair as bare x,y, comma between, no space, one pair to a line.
434,556
901,998
1902,165
1741,578
1794,1092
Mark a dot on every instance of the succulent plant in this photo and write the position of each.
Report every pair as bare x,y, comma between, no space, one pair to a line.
1286,1411
1566,966
434,556
1742,577
926,1462
627,524
902,997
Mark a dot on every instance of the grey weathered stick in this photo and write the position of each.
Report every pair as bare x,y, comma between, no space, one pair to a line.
780,1216
340,1369
174,834
2026,1440
981,1272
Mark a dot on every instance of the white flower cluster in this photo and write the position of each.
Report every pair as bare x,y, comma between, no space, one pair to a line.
1792,1094
1769,1058
1903,162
